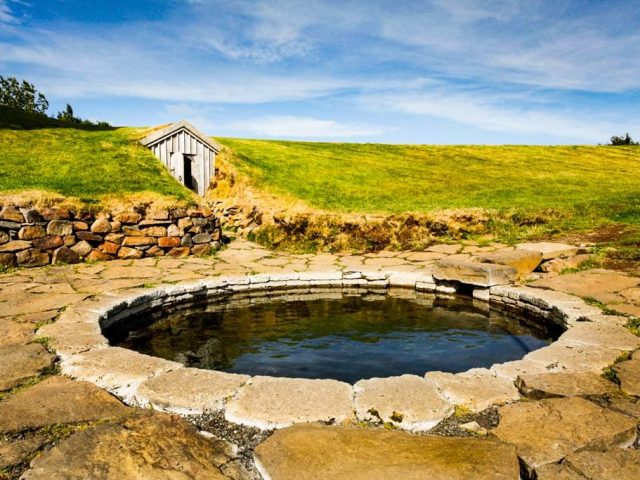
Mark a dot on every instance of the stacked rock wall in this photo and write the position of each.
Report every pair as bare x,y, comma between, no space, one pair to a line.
31,238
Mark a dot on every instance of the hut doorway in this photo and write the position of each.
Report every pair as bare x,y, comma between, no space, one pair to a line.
188,174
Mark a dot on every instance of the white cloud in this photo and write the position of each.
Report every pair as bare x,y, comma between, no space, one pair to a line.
498,113
289,126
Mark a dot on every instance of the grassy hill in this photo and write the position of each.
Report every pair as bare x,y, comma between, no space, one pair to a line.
86,164
347,177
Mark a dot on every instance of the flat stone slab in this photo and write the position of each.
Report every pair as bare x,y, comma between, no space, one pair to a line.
478,274
629,374
58,400
39,303
156,446
601,334
556,471
618,463
18,450
270,402
545,431
117,370
524,261
560,357
475,390
20,362
311,452
189,391
407,401
603,285
548,385
625,405
549,250
14,333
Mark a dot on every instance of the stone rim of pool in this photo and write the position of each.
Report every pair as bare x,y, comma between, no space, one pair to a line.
410,402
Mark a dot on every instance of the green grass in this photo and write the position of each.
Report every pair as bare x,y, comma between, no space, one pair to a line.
345,177
81,163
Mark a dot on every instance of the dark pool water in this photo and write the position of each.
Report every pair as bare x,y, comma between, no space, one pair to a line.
344,337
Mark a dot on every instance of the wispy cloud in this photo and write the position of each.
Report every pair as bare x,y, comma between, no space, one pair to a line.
506,114
6,14
289,126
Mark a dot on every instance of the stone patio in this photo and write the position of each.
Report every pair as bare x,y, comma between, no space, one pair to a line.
45,417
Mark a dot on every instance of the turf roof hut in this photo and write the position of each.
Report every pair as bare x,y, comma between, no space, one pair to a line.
187,152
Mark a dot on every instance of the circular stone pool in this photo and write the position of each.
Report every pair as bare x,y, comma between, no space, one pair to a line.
335,334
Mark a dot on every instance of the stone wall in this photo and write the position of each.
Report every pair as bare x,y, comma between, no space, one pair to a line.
32,238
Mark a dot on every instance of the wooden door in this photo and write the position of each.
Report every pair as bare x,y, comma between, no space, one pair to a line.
177,166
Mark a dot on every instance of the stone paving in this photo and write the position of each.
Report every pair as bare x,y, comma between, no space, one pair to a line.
53,427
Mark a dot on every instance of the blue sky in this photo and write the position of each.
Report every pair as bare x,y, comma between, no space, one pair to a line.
428,71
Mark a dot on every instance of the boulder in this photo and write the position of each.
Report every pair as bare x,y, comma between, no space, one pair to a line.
29,232
15,246
89,237
137,241
179,252
80,226
101,225
173,231
60,227
4,237
82,248
8,260
155,231
128,218
65,255
201,238
10,213
524,261
56,213
97,255
201,250
32,258
109,248
129,253
49,242
169,242
31,215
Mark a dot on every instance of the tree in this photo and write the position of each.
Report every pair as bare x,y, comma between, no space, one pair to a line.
625,140
67,115
22,96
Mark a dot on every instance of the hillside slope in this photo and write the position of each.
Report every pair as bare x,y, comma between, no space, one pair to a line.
379,178
84,164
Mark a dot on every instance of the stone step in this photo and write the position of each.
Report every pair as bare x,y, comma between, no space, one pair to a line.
477,274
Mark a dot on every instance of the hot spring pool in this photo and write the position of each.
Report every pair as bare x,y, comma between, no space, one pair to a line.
338,335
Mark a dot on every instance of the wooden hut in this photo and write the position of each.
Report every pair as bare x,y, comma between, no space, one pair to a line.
187,152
